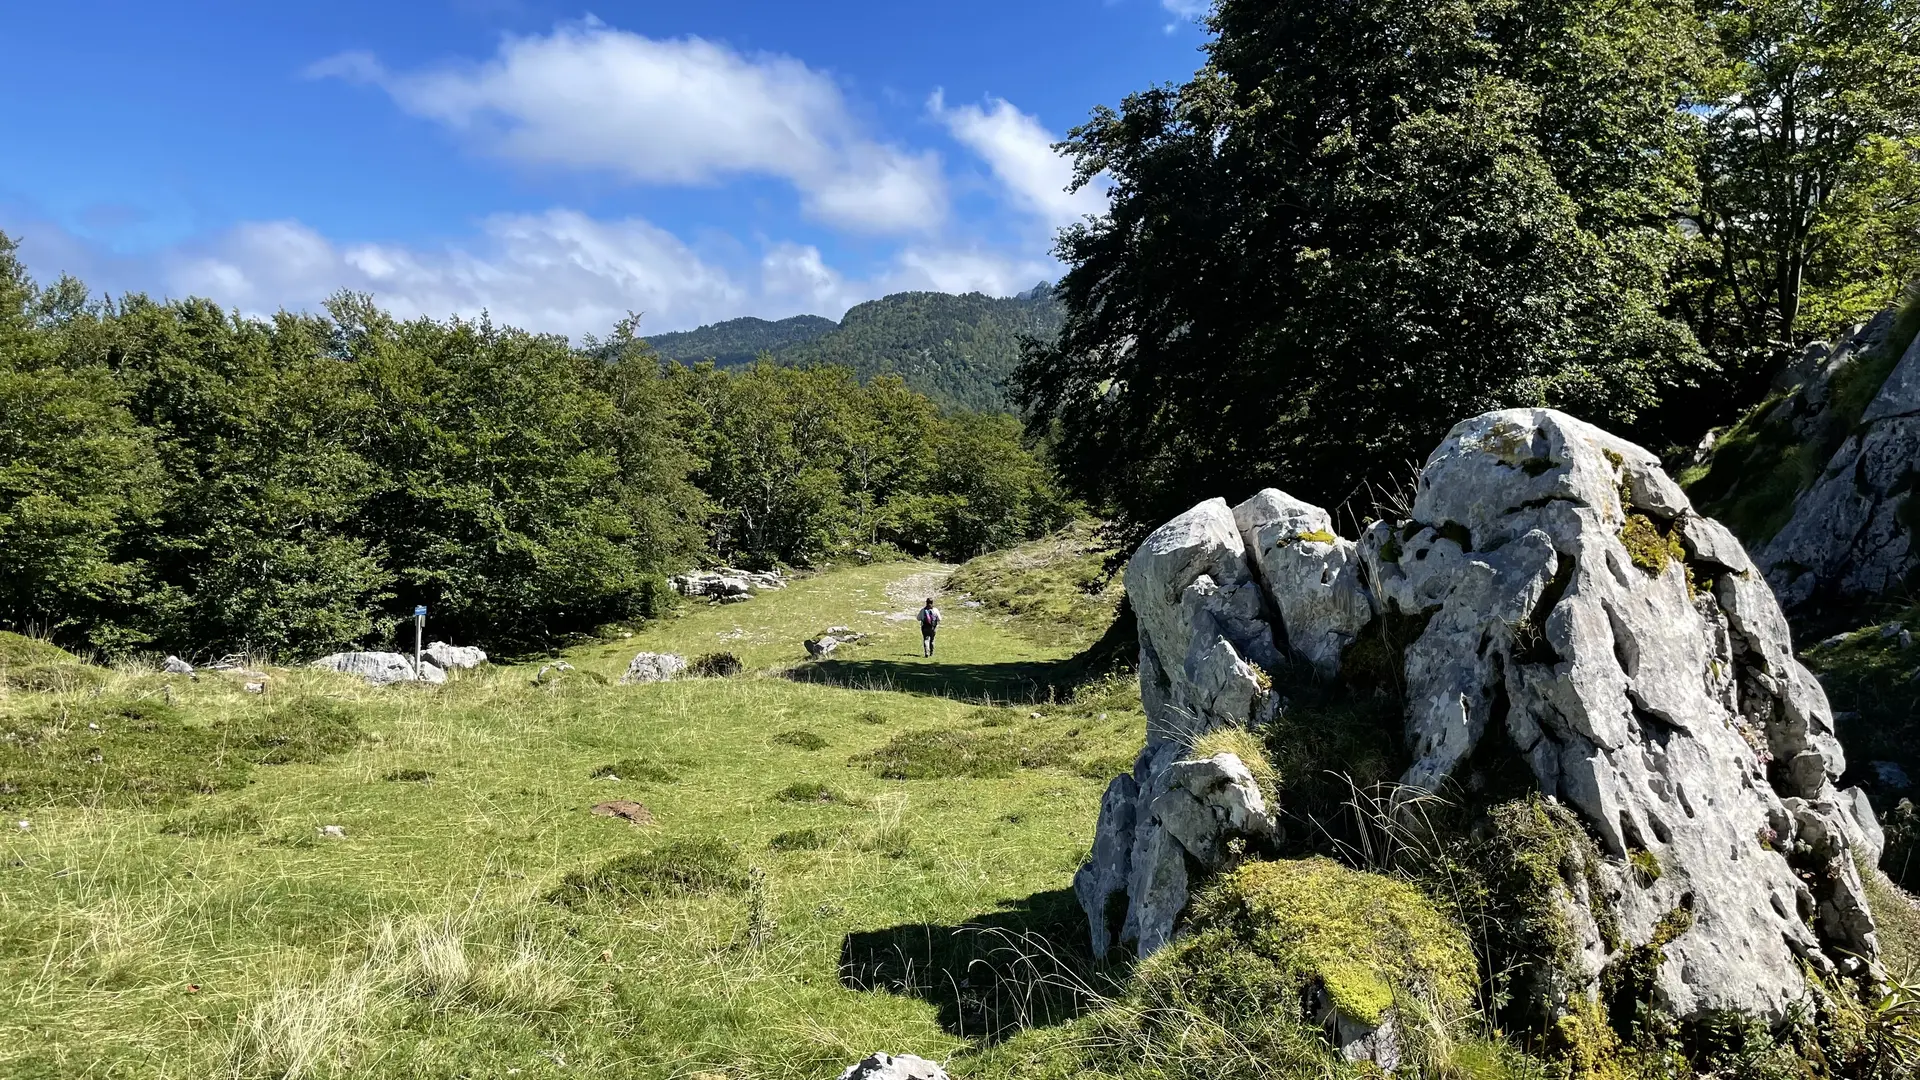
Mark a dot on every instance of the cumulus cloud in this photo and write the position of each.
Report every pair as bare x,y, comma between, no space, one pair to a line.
967,270
1020,153
558,271
681,111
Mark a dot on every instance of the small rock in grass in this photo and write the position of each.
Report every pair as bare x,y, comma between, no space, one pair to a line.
651,667
625,808
25,825
821,646
259,687
1906,639
333,832
173,665
891,1067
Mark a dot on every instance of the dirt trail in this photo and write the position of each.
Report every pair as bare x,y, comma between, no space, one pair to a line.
911,591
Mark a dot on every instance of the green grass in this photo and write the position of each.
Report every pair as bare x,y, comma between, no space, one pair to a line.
186,918
1055,591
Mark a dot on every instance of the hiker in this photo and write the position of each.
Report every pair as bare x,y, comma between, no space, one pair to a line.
929,622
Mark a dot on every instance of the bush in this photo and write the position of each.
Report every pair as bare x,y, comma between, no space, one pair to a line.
681,868
716,665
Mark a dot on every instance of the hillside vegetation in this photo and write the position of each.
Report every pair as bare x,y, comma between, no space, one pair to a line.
956,349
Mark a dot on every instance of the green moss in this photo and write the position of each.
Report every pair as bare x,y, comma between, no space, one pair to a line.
1370,942
1535,854
1318,536
1649,548
682,867
801,739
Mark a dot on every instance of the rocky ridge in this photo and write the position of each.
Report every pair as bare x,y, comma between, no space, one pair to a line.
1568,618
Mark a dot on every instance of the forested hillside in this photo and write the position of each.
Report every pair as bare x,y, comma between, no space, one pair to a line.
957,350
739,341
177,477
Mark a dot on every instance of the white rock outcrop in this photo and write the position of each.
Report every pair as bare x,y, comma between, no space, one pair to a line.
1847,538
453,657
381,668
651,667
894,1067
1569,610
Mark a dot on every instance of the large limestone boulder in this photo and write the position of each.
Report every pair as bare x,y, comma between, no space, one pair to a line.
381,668
1572,620
1849,536
894,1067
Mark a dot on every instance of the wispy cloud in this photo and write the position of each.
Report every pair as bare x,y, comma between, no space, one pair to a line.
1020,153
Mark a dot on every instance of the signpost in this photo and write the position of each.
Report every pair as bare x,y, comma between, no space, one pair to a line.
419,629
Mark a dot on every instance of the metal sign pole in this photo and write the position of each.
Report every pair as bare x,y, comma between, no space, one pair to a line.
419,629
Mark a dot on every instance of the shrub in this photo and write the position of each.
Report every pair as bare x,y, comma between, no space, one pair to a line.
813,791
801,739
682,867
716,665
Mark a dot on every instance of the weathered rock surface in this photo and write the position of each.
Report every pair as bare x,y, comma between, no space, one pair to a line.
651,667
453,657
1847,538
726,583
894,1067
1573,615
821,647
173,665
381,668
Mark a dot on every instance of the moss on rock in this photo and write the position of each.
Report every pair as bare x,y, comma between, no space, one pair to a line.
1273,930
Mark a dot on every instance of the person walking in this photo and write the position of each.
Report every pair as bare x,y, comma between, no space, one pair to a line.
929,622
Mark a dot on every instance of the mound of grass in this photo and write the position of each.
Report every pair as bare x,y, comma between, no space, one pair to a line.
636,769
693,867
408,776
813,791
808,839
938,754
1055,591
801,739
302,732
114,752
43,667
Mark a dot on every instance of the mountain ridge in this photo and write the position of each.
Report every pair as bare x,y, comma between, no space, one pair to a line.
957,348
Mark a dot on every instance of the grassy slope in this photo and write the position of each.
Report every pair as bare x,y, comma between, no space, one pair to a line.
422,944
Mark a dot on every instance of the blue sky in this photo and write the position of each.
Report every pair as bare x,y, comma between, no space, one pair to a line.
559,165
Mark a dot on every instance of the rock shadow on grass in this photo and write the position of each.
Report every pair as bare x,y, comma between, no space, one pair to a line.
1028,964
1024,682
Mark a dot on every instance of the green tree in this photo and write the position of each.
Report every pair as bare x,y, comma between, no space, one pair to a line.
1809,210
75,470
1358,223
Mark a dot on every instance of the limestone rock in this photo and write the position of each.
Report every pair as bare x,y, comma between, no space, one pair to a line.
894,1067
1312,577
651,667
380,668
453,657
1846,538
176,666
822,646
1569,612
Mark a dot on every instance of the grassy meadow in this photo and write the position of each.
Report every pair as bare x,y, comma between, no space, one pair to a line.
871,852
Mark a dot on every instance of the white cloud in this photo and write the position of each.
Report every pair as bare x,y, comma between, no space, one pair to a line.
559,271
1188,9
682,111
1020,153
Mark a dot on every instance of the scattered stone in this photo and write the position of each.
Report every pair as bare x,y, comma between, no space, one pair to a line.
333,832
625,808
256,687
557,668
891,1067
1620,648
173,665
822,646
726,582
380,668
453,657
25,825
650,667
972,604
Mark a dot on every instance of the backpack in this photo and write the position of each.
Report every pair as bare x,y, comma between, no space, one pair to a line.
929,618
